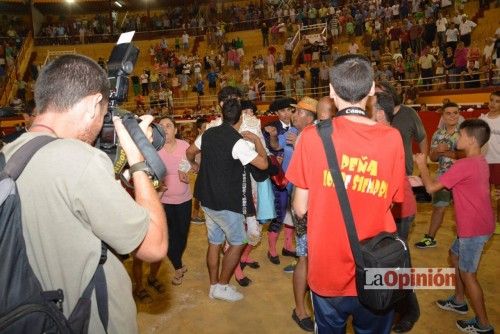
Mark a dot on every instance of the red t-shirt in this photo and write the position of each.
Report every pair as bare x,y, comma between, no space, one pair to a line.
409,206
371,158
468,180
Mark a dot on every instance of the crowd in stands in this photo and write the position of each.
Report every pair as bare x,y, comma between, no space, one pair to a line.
424,47
424,44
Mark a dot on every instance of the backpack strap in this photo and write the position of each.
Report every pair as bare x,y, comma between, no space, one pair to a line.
16,164
98,282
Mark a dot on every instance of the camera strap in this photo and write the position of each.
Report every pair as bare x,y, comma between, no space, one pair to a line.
148,151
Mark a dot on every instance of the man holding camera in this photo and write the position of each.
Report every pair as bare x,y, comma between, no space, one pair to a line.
71,201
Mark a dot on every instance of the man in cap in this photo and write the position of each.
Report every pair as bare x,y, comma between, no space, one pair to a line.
280,137
305,114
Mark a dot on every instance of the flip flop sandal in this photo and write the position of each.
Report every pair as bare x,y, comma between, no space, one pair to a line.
177,280
143,296
157,285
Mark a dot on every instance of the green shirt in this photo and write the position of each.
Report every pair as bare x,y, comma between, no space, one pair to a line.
70,202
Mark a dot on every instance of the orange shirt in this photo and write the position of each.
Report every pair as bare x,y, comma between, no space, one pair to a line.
371,159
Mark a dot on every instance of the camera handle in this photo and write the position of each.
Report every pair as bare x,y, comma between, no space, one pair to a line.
151,157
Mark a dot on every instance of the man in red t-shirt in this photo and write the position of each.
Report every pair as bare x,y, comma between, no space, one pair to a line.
371,159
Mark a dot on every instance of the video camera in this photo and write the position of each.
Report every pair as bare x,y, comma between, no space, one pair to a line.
121,63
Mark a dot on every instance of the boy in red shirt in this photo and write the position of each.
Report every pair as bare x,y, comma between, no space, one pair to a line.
468,180
371,158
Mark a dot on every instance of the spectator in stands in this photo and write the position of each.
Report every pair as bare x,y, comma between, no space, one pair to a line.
460,59
452,35
314,71
21,89
426,63
353,47
441,23
270,60
265,34
185,40
465,28
145,83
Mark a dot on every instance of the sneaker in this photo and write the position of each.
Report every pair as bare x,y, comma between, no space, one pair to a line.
426,242
290,268
211,292
212,289
227,293
450,305
472,326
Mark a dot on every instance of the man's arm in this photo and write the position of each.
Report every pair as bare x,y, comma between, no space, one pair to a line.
154,246
299,201
431,185
419,133
260,160
191,153
423,145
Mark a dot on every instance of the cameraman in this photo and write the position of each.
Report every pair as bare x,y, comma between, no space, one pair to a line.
71,200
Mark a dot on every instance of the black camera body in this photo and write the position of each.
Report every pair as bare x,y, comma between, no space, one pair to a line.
120,65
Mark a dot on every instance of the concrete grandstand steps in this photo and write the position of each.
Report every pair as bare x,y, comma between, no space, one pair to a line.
486,26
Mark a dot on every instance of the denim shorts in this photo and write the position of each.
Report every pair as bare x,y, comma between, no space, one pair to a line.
301,245
469,252
441,198
225,225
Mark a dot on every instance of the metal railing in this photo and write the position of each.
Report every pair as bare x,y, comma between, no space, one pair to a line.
196,102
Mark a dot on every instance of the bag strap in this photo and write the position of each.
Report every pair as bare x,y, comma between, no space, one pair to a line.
23,155
325,130
98,282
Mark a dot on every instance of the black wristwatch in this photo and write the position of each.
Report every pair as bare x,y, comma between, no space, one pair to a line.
141,167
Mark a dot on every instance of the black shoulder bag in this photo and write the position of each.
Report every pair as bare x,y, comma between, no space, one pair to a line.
385,250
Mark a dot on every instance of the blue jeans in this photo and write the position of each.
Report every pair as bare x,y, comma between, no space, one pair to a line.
331,314
403,225
469,252
225,225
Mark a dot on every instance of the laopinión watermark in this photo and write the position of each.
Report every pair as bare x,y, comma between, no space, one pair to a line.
409,278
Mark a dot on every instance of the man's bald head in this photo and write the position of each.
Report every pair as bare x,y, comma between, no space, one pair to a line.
325,108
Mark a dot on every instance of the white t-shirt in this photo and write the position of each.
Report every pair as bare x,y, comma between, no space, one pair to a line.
452,35
457,19
492,147
441,24
241,151
466,27
488,50
445,3
395,10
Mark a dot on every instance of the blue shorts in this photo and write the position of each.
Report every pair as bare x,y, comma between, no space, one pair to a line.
469,252
225,225
301,245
